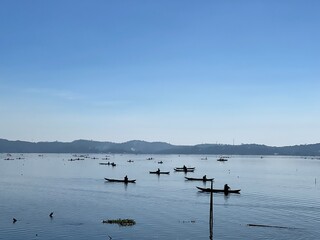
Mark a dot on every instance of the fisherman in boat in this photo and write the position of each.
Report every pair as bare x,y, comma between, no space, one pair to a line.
204,178
126,178
158,171
185,168
226,189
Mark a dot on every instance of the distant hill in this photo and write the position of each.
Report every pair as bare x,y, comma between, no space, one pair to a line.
82,146
143,147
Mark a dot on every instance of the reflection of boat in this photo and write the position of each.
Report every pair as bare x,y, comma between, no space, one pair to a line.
218,190
184,170
199,179
120,180
156,172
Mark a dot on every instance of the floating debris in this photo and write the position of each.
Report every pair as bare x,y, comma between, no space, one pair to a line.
121,222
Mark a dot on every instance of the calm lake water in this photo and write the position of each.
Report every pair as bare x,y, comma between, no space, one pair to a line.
276,191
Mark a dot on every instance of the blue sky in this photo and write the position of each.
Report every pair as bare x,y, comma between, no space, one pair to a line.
184,72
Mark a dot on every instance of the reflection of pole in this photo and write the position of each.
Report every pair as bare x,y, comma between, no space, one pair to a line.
211,212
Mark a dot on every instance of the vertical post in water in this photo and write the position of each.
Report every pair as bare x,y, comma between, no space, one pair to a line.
211,212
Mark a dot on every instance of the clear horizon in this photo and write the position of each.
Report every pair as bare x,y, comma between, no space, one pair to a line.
180,72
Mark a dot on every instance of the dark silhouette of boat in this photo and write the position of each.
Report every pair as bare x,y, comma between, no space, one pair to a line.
199,179
120,180
219,190
184,170
157,172
108,163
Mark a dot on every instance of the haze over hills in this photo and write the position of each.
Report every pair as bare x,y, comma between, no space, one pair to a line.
143,147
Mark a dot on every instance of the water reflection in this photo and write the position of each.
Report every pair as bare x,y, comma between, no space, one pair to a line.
273,193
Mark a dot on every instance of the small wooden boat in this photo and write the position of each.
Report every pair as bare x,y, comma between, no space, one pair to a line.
218,190
199,179
184,170
222,160
156,172
120,180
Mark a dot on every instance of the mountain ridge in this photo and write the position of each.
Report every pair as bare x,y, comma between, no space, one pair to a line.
144,147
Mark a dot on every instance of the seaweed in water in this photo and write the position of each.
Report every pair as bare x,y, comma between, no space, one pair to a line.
121,222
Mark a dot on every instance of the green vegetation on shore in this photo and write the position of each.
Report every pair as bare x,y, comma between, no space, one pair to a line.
143,147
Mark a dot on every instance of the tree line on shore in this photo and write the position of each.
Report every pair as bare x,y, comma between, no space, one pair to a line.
143,147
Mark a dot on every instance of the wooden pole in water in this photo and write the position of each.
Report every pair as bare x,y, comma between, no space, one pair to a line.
211,212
